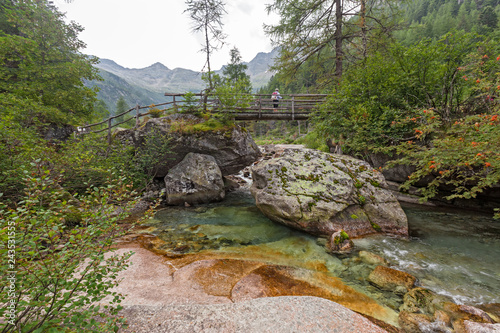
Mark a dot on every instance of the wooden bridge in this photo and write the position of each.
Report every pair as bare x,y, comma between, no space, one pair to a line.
261,107
244,108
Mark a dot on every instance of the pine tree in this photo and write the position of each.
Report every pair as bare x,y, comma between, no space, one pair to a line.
488,19
235,71
121,106
320,29
41,65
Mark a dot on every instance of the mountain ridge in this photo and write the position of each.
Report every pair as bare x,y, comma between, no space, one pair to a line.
148,85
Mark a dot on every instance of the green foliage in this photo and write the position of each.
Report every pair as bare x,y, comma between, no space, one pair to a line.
42,68
233,95
341,238
190,103
464,156
18,147
154,149
314,140
155,113
101,111
432,19
62,271
212,124
322,34
206,16
369,107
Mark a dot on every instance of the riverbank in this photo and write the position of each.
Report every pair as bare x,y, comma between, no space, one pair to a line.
164,297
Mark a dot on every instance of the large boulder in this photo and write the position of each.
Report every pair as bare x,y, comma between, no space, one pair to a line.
196,179
232,146
323,193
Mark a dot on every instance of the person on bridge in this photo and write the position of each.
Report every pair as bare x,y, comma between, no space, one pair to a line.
276,99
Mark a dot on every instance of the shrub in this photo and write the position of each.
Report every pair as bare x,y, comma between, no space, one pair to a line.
155,113
60,272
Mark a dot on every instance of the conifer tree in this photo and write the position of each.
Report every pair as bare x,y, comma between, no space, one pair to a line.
42,67
235,71
121,106
321,28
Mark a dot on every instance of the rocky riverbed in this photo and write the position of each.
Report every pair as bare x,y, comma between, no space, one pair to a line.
211,267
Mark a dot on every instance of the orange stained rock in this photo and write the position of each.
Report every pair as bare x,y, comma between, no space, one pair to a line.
240,276
220,276
272,281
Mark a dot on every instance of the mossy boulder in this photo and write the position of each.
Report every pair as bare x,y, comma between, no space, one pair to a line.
232,147
323,193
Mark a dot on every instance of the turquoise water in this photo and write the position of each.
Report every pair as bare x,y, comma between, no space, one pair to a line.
453,253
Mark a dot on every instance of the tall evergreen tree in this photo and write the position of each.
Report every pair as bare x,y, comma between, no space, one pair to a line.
121,106
321,28
235,71
42,69
488,18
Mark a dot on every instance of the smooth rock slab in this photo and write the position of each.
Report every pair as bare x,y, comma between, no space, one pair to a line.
324,193
473,327
273,315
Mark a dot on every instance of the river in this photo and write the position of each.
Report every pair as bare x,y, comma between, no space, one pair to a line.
451,252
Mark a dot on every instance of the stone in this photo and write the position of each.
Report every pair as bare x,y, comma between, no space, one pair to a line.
275,281
476,313
196,179
340,243
372,259
230,183
140,207
462,313
391,279
422,300
492,309
473,327
233,148
323,193
57,133
413,322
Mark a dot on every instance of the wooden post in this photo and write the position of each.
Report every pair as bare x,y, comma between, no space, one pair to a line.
137,115
293,107
174,104
260,107
299,126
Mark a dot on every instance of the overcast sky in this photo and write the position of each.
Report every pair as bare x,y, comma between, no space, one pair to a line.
136,34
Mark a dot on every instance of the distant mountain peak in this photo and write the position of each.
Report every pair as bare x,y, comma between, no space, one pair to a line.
158,65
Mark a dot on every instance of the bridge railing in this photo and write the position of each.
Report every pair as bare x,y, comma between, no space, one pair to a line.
257,103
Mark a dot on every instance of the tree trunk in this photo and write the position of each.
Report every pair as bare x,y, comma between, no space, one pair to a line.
363,28
339,54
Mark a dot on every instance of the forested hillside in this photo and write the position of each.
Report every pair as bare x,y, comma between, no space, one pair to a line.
435,18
